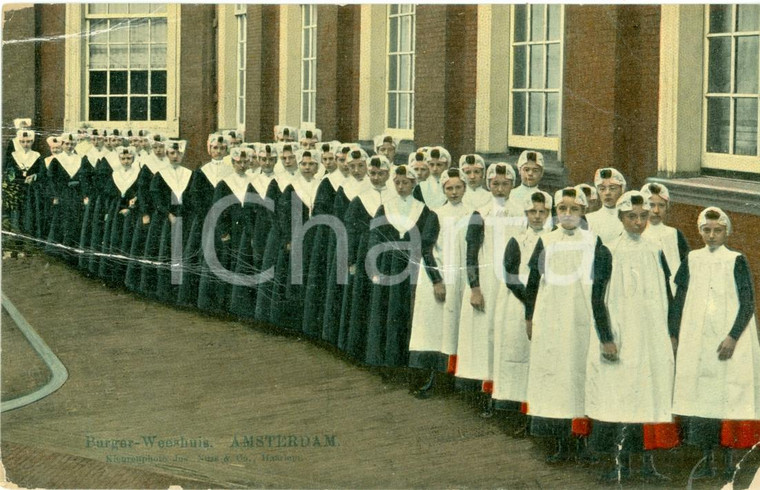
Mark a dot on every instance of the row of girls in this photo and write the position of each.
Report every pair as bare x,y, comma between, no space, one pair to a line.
450,270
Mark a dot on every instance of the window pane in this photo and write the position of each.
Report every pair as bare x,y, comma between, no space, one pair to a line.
745,133
305,107
158,82
717,124
393,35
406,33
392,110
405,76
536,114
720,18
119,31
719,76
306,48
520,21
158,56
554,21
394,9
119,55
393,73
537,23
139,8
118,82
158,108
98,109
139,31
138,110
98,8
306,12
138,82
552,66
404,115
158,8
98,56
305,75
537,66
118,8
552,114
158,30
518,67
518,113
748,17
746,64
98,82
138,56
98,31
118,109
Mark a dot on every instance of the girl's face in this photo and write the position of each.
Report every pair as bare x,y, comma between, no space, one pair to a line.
437,166
239,164
217,150
174,156
98,142
531,173
454,189
267,162
358,168
569,213
422,169
501,186
328,160
342,162
378,176
115,141
474,175
404,185
537,216
713,234
635,221
658,209
25,143
609,191
126,159
55,148
288,159
67,146
252,163
308,168
387,150
309,143
159,149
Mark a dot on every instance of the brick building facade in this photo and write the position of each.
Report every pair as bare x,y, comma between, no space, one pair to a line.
641,88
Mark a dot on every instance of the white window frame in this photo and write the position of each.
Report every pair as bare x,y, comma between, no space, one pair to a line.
77,73
241,56
551,143
401,132
727,161
309,87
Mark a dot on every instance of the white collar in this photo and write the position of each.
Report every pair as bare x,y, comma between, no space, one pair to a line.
403,213
216,170
177,179
238,184
306,190
70,163
25,159
125,177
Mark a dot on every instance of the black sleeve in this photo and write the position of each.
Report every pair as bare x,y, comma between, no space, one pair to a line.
417,193
675,312
430,232
666,273
602,273
536,266
158,196
512,258
474,239
224,223
683,245
745,291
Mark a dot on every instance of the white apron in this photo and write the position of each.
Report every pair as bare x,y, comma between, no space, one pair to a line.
475,342
511,347
561,320
666,238
435,326
705,386
638,388
605,223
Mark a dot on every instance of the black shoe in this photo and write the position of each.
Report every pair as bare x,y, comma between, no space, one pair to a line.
423,393
583,454
562,455
706,467
648,472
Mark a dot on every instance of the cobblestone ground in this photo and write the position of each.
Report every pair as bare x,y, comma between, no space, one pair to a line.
159,396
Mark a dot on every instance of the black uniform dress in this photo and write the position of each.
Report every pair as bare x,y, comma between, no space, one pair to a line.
268,221
202,185
151,166
391,305
22,202
214,291
169,190
250,252
89,167
316,281
121,215
358,292
64,186
100,181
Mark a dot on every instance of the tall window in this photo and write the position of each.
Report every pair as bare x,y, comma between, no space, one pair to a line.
732,50
126,62
400,100
308,63
242,39
536,72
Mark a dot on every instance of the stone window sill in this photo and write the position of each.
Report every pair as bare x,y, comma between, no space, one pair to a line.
732,195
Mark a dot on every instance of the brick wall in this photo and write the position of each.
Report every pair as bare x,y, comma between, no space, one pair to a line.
198,108
430,69
19,70
261,72
51,68
347,87
327,70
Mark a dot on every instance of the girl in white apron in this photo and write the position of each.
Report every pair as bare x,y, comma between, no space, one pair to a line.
610,184
717,386
474,167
